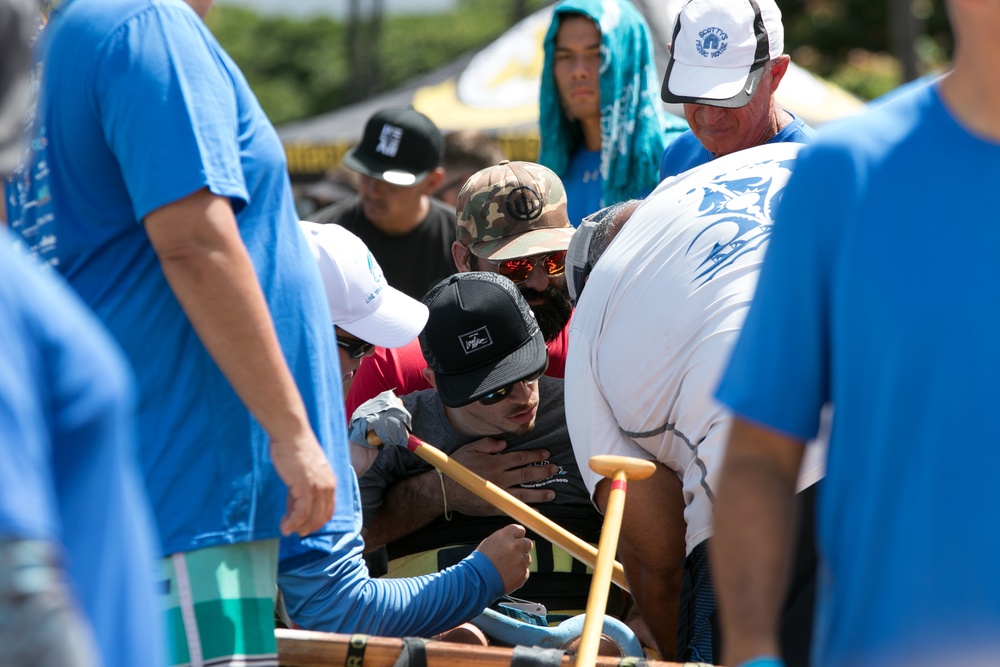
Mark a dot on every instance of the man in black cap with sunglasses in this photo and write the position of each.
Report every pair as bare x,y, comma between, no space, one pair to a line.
491,409
512,221
408,231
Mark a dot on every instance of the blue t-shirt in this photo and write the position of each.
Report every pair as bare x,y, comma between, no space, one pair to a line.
68,468
583,185
140,107
872,299
686,152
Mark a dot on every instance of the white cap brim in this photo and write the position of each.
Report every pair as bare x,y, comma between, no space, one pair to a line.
395,323
714,83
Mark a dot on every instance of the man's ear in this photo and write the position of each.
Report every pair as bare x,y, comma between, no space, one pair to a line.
431,379
460,253
433,181
778,70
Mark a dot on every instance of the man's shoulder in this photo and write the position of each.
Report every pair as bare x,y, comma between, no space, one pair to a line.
875,135
683,143
552,389
682,154
96,20
420,399
441,216
439,207
797,131
345,213
427,410
551,407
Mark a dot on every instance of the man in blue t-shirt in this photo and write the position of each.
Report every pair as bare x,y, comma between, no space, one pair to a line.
76,537
726,61
159,190
76,533
876,297
602,143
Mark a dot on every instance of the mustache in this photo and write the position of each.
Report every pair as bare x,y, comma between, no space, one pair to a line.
520,409
551,293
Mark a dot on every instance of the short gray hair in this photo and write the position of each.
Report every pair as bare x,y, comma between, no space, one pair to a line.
592,238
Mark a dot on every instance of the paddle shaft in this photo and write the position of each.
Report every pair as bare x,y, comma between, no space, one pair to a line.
597,600
512,507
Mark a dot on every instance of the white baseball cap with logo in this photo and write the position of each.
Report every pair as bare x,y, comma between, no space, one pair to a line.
361,302
719,51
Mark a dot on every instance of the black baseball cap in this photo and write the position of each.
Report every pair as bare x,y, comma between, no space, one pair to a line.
480,336
400,146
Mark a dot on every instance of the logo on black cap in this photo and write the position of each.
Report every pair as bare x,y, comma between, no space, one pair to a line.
524,204
388,140
476,340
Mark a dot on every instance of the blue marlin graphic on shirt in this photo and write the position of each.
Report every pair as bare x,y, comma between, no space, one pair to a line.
747,201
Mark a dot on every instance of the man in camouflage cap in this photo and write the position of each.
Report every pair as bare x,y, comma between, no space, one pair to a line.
512,221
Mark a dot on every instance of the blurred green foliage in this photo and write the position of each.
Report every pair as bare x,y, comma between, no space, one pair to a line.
296,68
299,68
848,41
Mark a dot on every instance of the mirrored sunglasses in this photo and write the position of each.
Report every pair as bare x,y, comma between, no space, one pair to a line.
520,269
503,392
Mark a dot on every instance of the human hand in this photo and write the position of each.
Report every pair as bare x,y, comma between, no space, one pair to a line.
302,466
637,624
507,470
510,552
384,414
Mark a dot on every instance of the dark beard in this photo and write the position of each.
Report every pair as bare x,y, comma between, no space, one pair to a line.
552,315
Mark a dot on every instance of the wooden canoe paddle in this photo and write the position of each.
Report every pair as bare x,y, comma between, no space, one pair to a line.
514,508
619,469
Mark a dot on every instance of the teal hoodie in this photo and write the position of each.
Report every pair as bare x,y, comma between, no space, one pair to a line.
635,126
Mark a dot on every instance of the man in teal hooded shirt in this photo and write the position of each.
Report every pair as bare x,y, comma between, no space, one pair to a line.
602,124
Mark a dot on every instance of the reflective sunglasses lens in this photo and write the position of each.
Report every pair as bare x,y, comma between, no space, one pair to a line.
496,395
500,394
555,263
518,270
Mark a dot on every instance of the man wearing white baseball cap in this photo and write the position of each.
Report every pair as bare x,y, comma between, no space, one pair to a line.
323,579
365,309
726,61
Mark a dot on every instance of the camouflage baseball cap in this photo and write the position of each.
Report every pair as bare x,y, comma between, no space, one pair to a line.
515,209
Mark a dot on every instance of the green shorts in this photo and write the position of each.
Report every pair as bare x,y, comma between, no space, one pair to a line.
219,605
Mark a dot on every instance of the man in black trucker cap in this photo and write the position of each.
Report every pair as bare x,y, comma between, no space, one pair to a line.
492,410
408,232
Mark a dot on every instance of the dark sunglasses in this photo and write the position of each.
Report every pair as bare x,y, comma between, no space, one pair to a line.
354,348
520,269
503,392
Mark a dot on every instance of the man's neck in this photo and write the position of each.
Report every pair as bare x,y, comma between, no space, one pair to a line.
401,226
972,95
777,120
462,424
591,129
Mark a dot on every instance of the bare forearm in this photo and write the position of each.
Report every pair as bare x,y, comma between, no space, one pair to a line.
214,280
657,592
754,520
651,548
406,506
